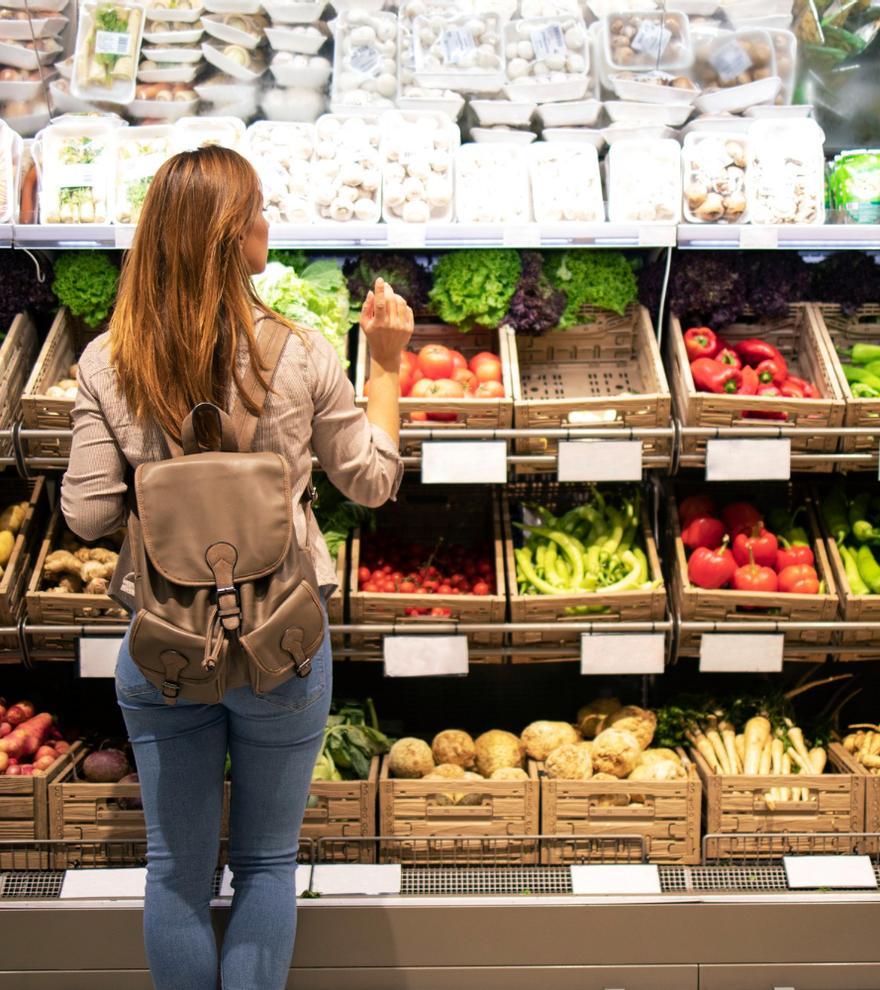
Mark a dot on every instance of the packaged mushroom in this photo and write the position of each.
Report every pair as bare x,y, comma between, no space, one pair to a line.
191,133
108,43
491,184
655,87
412,96
365,61
785,182
174,10
347,171
547,59
644,181
139,153
736,69
76,170
714,178
565,183
282,155
418,154
458,51
785,49
647,40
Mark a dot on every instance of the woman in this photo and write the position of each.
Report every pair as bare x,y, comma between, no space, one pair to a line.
184,331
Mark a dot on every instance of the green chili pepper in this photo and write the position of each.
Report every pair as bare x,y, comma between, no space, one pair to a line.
856,585
861,375
862,391
869,569
527,570
631,579
865,353
835,513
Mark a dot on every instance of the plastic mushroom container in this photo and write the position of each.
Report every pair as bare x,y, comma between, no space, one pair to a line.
644,181
547,59
714,177
565,183
492,184
418,152
365,62
785,182
282,154
347,171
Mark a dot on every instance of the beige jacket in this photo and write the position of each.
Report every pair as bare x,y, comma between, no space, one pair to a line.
311,407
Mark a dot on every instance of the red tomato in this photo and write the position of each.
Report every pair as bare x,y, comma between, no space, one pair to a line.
409,359
416,375
407,587
371,586
13,771
466,377
364,575
459,361
480,588
435,361
488,370
444,589
489,390
440,388
421,590
479,358
441,613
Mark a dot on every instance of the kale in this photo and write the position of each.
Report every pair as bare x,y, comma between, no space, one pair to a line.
536,306
401,271
775,280
849,278
21,292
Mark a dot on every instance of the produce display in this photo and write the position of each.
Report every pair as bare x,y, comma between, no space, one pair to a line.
85,283
864,745
861,365
347,171
854,523
139,153
65,388
78,568
337,516
365,74
714,178
351,739
77,172
30,742
11,520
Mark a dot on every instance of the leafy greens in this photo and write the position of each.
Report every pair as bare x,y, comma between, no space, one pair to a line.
475,286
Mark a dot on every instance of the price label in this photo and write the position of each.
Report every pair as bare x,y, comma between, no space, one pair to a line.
98,655
526,235
407,235
599,460
112,43
835,872
624,879
741,653
425,656
748,460
651,38
758,237
623,653
730,60
548,40
456,41
446,462
366,59
303,877
123,235
657,235
75,176
338,878
93,884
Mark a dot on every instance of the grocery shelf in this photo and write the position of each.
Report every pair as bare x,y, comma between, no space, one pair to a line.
795,237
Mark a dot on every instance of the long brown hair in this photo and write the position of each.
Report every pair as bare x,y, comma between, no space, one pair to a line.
185,296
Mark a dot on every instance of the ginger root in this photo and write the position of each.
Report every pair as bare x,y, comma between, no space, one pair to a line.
97,586
61,562
94,569
13,517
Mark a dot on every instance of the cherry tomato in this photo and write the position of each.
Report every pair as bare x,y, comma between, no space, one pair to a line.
435,361
480,588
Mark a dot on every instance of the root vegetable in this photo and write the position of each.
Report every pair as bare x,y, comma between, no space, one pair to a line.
541,738
658,755
704,747
728,737
20,712
739,742
818,759
496,749
454,746
27,738
591,718
717,745
640,722
757,732
765,762
410,758
446,771
105,766
571,761
616,751
509,773
797,740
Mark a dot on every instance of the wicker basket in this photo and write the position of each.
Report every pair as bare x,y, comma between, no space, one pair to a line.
341,808
622,606
736,805
16,571
839,331
703,605
410,810
424,515
605,373
844,762
797,338
472,413
17,355
666,813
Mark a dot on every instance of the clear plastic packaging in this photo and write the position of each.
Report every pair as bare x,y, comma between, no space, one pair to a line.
191,133
174,55
365,62
655,87
785,182
182,11
235,61
236,29
306,71
293,105
652,114
232,6
492,112
647,40
45,6
347,173
547,59
220,88
641,132
502,135
492,184
736,70
163,33
19,84
29,54
10,156
714,176
445,101
303,39
26,117
155,72
296,12
282,155
163,101
529,9
579,113
108,45
64,102
565,183
418,154
785,48
577,135
140,151
23,28
76,171
458,51
644,181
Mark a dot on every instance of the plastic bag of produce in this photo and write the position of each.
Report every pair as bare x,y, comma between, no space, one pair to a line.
854,181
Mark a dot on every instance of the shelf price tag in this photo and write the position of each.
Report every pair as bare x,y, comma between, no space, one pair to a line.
623,879
98,654
835,872
657,235
599,460
425,656
339,878
526,235
93,884
407,235
303,876
741,653
758,237
464,462
623,653
748,460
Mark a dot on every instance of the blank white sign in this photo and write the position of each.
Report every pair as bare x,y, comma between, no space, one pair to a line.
407,235
623,653
741,653
623,879
599,460
446,462
339,878
758,236
526,235
91,884
303,876
837,872
98,654
748,460
425,656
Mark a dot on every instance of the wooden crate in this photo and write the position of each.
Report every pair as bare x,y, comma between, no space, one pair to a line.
410,810
80,811
336,602
606,373
17,355
24,811
666,813
735,805
844,762
66,340
702,605
16,572
469,516
472,413
837,330
622,606
342,808
797,338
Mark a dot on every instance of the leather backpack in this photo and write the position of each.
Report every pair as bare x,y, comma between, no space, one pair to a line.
219,576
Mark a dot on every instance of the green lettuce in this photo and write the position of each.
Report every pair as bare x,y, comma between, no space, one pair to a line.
475,286
603,279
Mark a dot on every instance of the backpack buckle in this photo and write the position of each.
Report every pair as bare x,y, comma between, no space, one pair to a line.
170,689
304,668
228,602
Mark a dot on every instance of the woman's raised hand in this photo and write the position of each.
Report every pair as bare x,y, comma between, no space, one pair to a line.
387,322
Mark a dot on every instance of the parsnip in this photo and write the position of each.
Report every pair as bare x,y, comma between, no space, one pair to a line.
797,740
739,741
865,747
765,761
717,744
777,750
704,747
728,737
757,732
818,759
785,792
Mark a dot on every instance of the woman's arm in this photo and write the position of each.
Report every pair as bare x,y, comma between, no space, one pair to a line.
387,323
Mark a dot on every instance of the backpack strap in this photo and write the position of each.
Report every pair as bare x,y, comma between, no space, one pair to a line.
271,343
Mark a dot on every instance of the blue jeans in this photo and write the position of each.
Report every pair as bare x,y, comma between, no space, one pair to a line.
273,741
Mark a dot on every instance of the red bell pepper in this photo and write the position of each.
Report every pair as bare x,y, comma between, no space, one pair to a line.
727,355
789,555
711,569
753,351
799,579
700,342
768,392
808,388
749,383
759,546
713,376
695,505
791,390
703,531
754,577
741,517
773,371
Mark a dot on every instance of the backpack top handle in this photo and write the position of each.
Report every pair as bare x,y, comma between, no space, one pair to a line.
208,428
